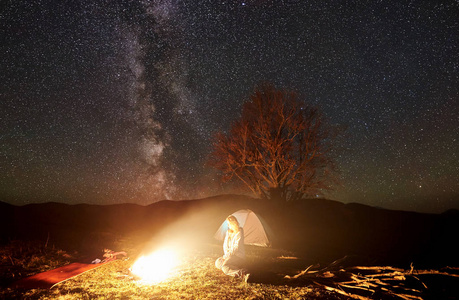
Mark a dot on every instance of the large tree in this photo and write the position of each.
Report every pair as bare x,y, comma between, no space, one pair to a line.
280,147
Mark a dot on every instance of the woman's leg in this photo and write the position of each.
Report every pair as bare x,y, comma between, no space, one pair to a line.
219,262
233,266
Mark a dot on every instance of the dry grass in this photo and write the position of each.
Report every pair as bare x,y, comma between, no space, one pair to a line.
319,232
197,278
19,259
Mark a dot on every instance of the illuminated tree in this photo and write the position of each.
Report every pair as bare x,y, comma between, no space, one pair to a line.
280,147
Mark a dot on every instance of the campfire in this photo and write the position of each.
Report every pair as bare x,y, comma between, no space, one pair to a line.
157,266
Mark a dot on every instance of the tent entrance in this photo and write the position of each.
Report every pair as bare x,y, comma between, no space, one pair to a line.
254,229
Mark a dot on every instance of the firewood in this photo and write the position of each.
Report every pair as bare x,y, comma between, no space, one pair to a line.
385,280
353,296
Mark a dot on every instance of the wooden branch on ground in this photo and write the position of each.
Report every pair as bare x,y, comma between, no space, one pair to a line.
364,282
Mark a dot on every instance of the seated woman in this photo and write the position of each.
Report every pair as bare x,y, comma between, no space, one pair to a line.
233,260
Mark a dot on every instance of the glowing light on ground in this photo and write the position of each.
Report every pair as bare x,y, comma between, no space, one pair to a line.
156,266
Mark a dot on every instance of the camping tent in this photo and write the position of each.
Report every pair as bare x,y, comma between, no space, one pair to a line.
254,229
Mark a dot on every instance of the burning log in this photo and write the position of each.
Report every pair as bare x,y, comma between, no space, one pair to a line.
155,267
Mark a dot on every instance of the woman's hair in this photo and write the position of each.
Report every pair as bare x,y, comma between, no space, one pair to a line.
232,220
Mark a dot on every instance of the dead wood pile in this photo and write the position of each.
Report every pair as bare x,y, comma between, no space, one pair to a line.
370,282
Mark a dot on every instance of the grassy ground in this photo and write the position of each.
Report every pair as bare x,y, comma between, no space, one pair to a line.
319,232
196,278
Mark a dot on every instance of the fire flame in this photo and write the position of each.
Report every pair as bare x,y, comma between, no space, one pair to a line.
156,266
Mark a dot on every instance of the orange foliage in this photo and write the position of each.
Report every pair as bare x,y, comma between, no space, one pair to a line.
279,148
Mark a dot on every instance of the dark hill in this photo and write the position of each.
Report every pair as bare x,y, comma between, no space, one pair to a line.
318,229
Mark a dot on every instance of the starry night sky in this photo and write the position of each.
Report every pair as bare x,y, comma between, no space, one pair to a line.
116,101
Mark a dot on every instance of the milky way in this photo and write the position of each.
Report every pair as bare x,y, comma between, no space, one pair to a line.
116,101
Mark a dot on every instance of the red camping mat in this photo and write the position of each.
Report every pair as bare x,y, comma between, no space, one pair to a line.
48,279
